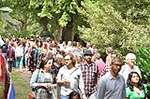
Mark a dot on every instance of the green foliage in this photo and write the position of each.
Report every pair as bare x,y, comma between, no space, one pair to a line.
63,21
143,61
51,15
136,11
60,13
50,8
109,28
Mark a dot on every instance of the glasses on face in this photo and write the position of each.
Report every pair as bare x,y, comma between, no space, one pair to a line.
117,65
67,59
134,76
88,57
133,60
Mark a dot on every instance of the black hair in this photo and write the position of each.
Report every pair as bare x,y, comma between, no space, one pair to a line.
129,83
74,93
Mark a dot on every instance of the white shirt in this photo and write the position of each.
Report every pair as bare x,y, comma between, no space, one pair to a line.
74,76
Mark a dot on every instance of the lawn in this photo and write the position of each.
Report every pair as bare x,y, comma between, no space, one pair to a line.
21,86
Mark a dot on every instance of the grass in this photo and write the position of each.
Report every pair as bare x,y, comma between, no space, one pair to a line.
0,90
21,86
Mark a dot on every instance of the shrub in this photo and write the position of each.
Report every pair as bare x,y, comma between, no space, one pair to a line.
143,61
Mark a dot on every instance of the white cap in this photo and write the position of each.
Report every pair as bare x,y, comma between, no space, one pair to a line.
130,56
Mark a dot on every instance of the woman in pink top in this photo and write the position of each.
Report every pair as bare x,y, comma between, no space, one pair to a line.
100,65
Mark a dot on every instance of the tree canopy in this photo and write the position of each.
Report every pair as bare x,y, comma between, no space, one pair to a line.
112,24
122,24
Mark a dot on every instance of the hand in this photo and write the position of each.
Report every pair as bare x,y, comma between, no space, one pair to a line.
53,86
44,85
66,83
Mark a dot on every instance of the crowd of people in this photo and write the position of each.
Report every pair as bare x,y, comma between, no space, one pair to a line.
69,70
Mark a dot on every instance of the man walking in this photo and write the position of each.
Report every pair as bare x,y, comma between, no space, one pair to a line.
89,73
112,84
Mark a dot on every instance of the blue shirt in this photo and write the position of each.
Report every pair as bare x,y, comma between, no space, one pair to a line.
110,87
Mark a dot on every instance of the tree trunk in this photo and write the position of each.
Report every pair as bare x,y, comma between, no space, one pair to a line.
68,31
44,22
58,34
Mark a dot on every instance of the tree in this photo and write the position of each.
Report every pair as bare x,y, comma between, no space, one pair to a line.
62,16
108,27
8,24
19,15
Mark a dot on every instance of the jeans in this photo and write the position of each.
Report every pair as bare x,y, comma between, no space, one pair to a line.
64,97
18,62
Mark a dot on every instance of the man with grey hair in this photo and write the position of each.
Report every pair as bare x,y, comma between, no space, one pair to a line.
112,84
129,66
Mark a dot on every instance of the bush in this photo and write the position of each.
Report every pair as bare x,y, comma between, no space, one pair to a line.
143,61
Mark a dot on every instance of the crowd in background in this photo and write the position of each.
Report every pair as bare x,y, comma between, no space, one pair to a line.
69,70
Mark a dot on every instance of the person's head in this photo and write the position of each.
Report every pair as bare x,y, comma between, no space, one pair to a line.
69,60
74,43
74,95
69,43
43,62
59,58
49,54
88,45
130,59
88,56
98,55
116,64
134,79
39,43
78,44
109,50
78,58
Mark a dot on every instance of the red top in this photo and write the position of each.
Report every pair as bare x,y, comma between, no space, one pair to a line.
2,69
4,76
